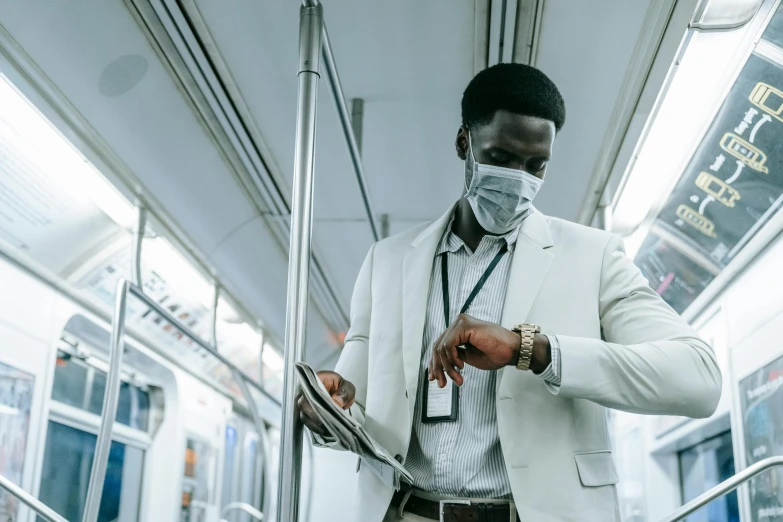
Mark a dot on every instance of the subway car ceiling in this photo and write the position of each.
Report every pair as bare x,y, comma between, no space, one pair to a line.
190,105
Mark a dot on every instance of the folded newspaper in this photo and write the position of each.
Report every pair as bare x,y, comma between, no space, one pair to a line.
348,432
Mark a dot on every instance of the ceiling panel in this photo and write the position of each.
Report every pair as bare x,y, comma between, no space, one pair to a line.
585,47
96,55
258,276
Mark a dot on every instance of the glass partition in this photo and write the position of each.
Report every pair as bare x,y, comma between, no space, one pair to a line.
66,475
704,466
731,187
16,398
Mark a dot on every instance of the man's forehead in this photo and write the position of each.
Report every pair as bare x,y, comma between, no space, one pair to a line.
515,131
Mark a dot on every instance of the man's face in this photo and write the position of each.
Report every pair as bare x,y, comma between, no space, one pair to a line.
511,140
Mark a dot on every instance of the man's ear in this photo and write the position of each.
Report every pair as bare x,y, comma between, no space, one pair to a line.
462,143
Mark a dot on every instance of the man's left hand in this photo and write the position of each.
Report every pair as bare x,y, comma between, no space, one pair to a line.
486,346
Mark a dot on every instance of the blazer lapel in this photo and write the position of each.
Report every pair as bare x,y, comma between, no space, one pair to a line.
529,267
417,271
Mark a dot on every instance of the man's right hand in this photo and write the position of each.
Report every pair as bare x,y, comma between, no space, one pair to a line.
342,392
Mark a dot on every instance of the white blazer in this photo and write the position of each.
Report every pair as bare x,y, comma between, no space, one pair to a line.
621,346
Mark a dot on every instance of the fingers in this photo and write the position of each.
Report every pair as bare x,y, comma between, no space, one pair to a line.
445,358
345,394
451,362
309,418
342,391
436,366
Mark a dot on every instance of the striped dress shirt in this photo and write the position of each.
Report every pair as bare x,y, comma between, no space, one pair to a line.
464,458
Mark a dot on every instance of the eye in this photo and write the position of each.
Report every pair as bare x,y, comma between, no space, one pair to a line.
499,157
536,165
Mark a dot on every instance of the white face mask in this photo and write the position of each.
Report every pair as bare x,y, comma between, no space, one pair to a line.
499,197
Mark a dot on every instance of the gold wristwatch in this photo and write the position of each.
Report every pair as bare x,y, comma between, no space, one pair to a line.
527,335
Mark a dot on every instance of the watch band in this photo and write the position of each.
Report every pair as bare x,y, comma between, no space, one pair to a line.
527,335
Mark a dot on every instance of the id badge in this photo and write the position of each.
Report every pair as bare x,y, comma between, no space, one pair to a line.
439,404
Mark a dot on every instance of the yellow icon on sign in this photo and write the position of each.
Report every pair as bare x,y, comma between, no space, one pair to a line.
696,220
744,151
717,188
769,99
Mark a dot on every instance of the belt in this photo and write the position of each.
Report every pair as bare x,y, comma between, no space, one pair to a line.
454,510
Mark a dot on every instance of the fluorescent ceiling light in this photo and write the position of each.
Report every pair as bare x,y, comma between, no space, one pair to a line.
40,143
160,256
725,13
685,112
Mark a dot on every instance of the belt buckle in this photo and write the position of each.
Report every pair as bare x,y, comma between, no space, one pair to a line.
443,504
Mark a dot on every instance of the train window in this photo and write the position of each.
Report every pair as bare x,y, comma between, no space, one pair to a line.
730,188
703,466
229,457
16,398
249,472
66,473
81,386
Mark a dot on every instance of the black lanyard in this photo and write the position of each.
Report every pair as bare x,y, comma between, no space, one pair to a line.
444,274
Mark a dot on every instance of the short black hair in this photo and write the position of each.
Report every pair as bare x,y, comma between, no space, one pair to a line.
513,87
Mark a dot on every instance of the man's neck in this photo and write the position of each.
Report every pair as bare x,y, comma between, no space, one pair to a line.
466,226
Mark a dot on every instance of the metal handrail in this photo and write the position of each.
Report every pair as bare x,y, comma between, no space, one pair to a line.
158,309
33,503
111,395
724,487
240,506
333,79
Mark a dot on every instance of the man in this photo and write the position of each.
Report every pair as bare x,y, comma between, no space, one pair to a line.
540,323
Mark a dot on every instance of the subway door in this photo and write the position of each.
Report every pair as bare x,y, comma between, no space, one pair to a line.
205,418
26,337
243,468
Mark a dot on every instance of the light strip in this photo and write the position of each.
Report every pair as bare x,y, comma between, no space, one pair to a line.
55,158
700,81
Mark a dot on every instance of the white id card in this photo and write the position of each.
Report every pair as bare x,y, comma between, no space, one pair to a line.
439,404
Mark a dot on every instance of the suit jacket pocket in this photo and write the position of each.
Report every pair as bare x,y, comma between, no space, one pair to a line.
596,468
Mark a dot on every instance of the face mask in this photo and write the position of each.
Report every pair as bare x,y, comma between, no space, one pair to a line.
500,197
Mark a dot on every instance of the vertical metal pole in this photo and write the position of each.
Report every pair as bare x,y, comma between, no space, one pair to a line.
310,44
110,396
138,239
357,121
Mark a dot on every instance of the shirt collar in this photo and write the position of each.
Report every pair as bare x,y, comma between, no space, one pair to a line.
451,242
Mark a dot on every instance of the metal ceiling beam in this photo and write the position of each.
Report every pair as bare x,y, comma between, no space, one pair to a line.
333,79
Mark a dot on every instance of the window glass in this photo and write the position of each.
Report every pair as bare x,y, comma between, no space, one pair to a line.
704,466
70,381
82,386
66,473
731,187
249,466
228,465
16,398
